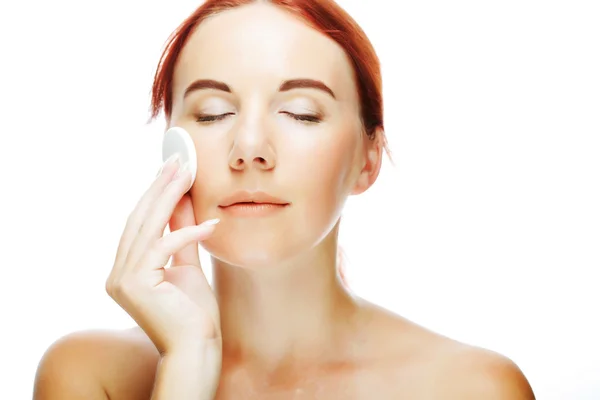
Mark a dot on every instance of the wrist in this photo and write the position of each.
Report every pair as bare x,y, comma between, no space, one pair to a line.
204,358
193,348
190,371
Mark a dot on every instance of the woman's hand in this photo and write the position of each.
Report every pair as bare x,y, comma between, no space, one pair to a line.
175,306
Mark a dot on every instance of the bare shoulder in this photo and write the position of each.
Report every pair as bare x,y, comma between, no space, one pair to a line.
97,364
424,364
470,372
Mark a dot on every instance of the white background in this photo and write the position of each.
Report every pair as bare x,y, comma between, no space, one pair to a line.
486,230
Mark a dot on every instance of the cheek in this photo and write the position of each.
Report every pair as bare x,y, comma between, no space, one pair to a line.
322,172
211,175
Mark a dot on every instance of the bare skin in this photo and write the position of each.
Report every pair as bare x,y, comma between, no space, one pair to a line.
393,359
289,328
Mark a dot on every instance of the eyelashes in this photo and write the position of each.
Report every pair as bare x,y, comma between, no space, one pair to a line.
204,118
303,118
315,119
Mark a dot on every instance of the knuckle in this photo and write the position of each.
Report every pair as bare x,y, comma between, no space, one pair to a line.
131,215
108,286
159,248
174,189
120,288
132,219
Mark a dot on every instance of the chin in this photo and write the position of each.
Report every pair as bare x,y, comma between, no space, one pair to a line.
263,243
262,247
255,251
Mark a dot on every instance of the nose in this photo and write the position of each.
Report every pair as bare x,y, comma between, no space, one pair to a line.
252,149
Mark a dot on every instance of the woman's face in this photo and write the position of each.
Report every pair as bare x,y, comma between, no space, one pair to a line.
247,136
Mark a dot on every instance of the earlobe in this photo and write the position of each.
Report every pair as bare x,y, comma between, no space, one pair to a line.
373,157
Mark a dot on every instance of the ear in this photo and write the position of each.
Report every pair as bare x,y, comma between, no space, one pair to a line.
372,158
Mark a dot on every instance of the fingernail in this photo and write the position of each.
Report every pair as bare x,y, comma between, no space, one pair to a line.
211,222
207,226
182,169
173,158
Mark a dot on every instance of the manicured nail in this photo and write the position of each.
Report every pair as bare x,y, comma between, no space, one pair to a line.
173,158
211,222
181,170
207,227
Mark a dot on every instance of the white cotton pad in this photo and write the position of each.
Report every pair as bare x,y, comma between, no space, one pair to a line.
177,140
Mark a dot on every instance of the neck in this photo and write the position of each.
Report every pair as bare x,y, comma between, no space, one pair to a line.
297,312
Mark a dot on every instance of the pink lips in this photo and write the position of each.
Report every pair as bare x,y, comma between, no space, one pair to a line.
252,204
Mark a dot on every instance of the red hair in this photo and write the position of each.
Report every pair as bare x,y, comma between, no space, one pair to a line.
326,16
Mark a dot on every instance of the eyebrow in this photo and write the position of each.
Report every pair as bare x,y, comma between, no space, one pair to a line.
285,86
205,84
305,83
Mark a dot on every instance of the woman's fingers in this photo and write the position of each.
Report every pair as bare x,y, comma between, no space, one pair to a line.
159,215
183,216
142,209
157,255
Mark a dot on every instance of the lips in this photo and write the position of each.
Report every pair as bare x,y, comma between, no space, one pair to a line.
249,198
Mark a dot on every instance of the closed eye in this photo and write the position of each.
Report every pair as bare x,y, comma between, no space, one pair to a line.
307,118
211,118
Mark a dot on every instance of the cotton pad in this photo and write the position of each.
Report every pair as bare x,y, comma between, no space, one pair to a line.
177,140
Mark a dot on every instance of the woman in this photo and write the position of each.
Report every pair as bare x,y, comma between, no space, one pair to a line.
283,101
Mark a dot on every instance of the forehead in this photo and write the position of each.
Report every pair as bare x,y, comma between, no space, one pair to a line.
260,45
